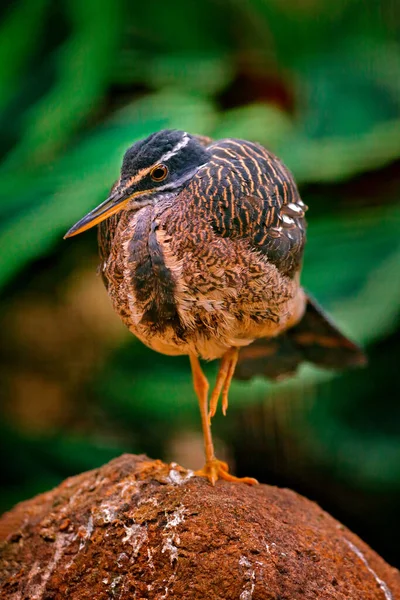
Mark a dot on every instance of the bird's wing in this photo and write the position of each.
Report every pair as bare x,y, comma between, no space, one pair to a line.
315,339
255,197
273,228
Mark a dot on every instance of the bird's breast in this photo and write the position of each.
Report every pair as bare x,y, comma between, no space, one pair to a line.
179,295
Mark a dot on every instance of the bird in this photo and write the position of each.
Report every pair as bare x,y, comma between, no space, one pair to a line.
201,248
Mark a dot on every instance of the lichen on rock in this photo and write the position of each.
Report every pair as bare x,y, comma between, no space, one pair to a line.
140,529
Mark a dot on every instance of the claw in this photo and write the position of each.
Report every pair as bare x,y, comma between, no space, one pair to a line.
224,402
224,378
217,469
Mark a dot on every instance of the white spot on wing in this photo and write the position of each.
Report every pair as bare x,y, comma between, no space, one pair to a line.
295,207
286,219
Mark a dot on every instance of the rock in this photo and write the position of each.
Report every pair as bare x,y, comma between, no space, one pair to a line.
137,529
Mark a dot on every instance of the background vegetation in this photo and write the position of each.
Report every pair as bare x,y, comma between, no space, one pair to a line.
318,83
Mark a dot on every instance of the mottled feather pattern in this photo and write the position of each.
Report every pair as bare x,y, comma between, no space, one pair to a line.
105,235
254,196
205,273
212,261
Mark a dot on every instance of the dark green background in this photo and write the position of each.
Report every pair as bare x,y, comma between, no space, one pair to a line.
317,82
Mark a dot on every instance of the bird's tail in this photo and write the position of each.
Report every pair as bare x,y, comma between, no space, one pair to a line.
315,339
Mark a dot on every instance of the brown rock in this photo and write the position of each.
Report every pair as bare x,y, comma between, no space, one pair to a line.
137,529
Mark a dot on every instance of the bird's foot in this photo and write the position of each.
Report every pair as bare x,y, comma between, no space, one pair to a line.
217,469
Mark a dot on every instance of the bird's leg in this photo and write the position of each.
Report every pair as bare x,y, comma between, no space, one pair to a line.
214,469
223,383
201,386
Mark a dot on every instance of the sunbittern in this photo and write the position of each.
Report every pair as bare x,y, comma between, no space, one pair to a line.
201,246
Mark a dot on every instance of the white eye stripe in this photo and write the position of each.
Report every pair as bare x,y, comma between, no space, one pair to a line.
144,172
181,144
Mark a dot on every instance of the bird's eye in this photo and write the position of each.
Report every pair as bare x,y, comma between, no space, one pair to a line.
159,173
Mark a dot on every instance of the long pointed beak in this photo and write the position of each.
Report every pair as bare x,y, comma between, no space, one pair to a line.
112,205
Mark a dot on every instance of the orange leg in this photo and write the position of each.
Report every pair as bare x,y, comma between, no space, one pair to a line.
214,469
201,387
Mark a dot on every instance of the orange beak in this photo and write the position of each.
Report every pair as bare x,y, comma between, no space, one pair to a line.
116,202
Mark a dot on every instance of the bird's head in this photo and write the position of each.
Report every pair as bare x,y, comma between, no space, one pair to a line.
153,168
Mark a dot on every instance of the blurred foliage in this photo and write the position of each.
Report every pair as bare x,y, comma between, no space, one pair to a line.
314,81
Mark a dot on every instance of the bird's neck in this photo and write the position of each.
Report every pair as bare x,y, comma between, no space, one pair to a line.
106,231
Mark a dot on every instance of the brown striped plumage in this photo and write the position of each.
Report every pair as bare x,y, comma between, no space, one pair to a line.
216,266
201,255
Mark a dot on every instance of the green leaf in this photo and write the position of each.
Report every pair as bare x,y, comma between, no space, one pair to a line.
176,27
200,73
19,36
265,124
349,117
84,68
336,159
